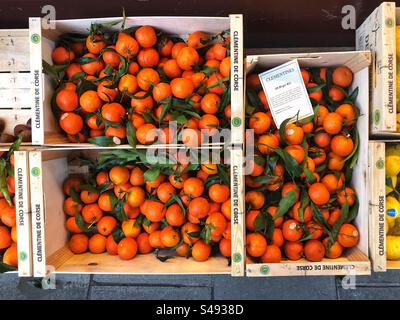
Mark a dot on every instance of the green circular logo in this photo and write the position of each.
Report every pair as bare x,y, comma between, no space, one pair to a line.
377,117
236,122
237,257
35,171
22,256
380,164
264,269
389,22
35,38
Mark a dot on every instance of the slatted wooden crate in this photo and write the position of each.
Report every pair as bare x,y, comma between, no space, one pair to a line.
15,88
47,130
48,169
355,261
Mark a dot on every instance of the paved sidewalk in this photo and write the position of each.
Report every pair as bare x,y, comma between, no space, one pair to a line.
378,286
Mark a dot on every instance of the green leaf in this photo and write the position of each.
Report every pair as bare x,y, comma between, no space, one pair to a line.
131,134
117,234
304,202
75,196
80,223
354,154
102,141
353,96
315,88
310,178
291,165
282,129
317,215
353,211
6,268
264,223
152,174
287,201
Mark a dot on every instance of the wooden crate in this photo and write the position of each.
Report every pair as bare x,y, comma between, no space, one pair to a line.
22,206
48,169
47,129
355,261
15,88
378,212
378,34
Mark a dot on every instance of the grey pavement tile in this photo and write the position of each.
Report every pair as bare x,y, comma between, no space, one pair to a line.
66,287
389,278
369,293
113,292
298,288
181,280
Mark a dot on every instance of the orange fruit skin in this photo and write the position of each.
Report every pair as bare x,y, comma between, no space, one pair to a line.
201,251
97,243
143,243
71,123
319,194
79,243
146,36
10,256
127,248
67,100
341,145
293,250
271,255
342,76
314,250
348,236
225,247
292,230
255,244
111,246
5,237
335,251
333,123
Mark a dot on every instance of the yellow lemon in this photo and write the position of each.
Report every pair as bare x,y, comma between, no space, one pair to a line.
392,160
398,41
398,115
393,247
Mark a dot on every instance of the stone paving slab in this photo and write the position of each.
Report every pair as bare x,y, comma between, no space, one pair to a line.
182,280
149,292
298,288
67,287
370,293
391,278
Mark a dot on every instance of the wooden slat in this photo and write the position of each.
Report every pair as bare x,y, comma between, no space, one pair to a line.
15,80
141,264
352,263
14,53
238,213
15,98
376,202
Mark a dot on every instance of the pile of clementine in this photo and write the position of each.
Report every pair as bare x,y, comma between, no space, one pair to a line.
126,210
8,228
130,84
299,199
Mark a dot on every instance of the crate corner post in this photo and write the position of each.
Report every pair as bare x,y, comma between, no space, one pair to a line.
38,218
21,174
35,45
